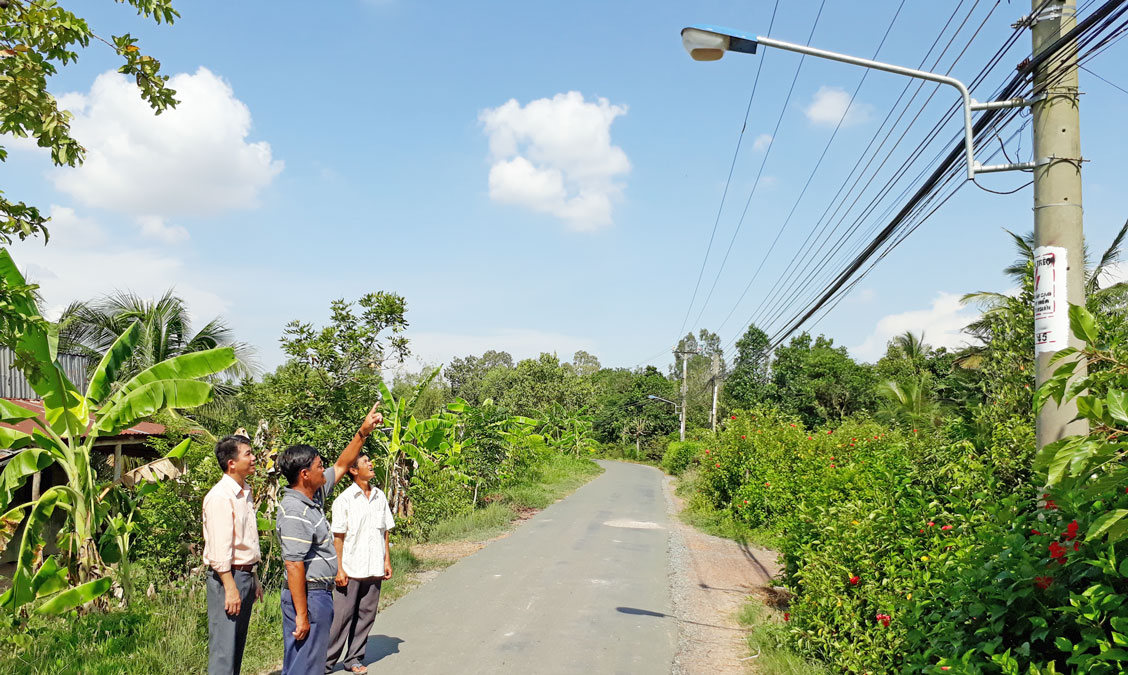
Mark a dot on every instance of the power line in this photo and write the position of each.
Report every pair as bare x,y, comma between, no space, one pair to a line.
763,163
728,180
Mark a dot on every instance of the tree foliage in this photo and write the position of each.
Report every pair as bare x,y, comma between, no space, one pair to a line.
37,37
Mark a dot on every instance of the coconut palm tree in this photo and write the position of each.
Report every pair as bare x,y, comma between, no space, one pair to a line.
908,403
92,327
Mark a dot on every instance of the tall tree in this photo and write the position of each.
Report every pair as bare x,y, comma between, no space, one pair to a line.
36,38
166,331
749,381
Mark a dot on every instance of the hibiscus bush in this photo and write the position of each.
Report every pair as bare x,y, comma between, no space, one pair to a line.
913,551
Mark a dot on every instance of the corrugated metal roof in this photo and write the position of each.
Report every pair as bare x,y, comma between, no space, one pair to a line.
13,384
26,426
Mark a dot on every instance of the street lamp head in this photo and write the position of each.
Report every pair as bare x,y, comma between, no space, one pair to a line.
652,396
709,43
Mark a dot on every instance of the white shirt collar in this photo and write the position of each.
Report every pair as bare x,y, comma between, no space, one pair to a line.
233,485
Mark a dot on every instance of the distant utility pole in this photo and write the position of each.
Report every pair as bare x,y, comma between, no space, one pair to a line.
685,386
716,375
1059,265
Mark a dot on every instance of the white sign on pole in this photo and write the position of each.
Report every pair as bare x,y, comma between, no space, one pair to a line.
1051,305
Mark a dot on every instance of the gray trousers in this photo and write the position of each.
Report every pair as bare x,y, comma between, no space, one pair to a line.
354,610
227,634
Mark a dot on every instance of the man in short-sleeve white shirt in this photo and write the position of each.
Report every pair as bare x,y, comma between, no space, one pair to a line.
361,521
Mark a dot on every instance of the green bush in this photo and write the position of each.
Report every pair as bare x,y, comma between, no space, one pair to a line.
680,455
436,495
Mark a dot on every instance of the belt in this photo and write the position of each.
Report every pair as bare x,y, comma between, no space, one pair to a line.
319,585
245,568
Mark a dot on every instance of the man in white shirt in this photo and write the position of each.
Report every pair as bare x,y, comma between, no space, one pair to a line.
361,521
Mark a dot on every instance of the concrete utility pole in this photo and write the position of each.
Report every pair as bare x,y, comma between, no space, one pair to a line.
716,375
1058,237
685,386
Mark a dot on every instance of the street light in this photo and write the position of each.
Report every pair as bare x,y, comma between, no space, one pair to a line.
659,398
709,43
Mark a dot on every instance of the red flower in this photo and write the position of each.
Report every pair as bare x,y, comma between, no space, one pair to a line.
946,527
787,616
1071,530
945,667
1057,552
828,432
743,437
853,439
1035,532
1043,582
767,484
1051,505
914,431
1076,545
810,438
792,426
706,452
718,466
832,466
931,524
922,531
832,458
883,619
875,438
854,580
851,445
745,501
734,416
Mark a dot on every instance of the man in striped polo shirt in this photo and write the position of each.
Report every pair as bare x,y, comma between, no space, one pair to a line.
307,549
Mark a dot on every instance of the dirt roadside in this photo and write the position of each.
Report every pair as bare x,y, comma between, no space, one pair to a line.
710,578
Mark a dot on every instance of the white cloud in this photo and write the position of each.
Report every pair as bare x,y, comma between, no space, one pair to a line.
761,143
82,263
154,227
192,160
831,104
439,348
555,156
942,324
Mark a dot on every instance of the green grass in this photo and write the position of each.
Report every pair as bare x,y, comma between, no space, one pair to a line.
556,477
767,639
478,524
167,633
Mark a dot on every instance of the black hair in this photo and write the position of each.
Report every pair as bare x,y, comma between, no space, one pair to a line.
295,458
227,449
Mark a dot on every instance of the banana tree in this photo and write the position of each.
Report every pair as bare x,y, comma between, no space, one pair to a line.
410,443
72,423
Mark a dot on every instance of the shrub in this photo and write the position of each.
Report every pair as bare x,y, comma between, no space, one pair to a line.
680,455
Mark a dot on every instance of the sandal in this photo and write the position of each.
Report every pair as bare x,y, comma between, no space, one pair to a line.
359,669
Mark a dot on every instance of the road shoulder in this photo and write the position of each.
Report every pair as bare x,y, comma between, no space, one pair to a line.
710,581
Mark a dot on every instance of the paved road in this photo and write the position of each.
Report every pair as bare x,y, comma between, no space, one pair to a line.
580,588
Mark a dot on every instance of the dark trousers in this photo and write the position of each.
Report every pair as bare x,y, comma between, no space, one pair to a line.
306,657
227,634
354,610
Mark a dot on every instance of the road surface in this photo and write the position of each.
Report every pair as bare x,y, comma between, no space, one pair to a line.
582,587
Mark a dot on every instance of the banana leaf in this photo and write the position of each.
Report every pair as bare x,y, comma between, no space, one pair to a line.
12,413
49,579
31,546
191,366
75,597
148,399
116,356
28,462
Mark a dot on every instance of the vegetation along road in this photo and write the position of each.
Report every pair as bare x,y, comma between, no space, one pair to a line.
580,588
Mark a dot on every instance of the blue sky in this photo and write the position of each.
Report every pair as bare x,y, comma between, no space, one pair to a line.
530,176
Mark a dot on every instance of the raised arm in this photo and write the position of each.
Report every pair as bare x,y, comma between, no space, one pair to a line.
349,454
